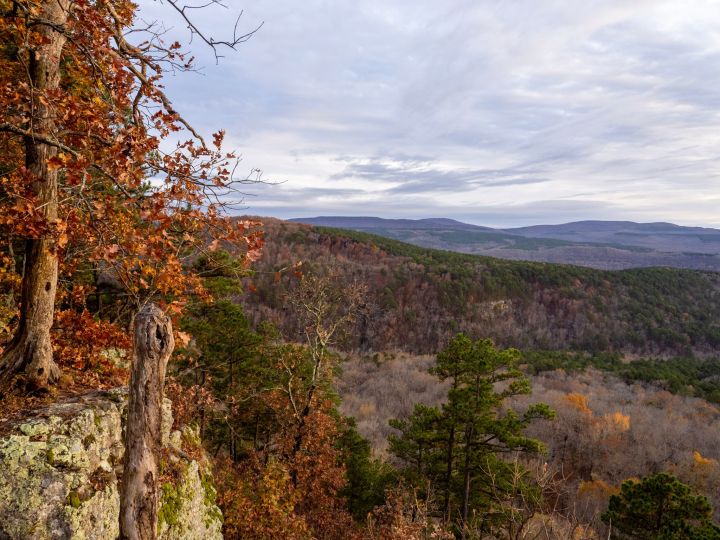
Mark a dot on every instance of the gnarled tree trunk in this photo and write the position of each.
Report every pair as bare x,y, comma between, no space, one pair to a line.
31,350
153,344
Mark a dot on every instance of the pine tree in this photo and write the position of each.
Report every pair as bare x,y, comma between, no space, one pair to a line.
459,446
659,507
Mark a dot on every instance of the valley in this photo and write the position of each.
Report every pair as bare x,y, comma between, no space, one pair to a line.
535,355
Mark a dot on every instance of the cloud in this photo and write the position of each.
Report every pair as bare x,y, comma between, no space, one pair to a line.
419,176
421,108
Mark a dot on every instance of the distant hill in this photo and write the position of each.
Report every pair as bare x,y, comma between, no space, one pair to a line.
598,244
417,297
658,236
359,222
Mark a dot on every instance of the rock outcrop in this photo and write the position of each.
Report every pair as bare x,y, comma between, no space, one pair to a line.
59,473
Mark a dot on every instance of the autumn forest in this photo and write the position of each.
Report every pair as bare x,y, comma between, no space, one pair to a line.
323,383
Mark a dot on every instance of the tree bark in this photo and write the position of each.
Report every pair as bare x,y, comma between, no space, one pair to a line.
153,344
31,349
448,473
466,482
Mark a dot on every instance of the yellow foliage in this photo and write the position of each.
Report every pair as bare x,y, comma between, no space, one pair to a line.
367,410
701,461
618,421
634,479
584,531
578,401
596,489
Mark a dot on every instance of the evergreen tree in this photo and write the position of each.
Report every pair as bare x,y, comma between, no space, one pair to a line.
367,477
458,447
420,444
660,507
224,360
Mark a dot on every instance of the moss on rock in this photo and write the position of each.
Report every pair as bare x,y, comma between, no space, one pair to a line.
170,505
59,471
185,508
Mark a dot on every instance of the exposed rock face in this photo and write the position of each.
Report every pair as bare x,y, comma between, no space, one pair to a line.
188,509
59,471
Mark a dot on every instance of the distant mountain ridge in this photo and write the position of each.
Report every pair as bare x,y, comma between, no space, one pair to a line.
605,245
369,222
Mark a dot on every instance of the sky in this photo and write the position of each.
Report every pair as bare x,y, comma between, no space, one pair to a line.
498,113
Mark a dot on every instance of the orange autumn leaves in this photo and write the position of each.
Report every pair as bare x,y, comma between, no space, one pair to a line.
611,423
134,210
142,208
286,494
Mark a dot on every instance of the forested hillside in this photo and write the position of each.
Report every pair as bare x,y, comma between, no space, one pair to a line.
606,245
417,298
605,429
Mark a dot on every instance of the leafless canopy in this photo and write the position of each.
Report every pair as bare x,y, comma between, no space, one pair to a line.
238,37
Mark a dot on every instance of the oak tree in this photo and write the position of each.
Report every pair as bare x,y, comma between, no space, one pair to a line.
99,172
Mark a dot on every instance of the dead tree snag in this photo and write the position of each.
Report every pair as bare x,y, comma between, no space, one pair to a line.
153,344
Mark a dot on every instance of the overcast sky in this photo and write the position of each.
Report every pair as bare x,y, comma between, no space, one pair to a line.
499,113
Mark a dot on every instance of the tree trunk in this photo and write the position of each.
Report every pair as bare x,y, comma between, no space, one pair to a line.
153,344
448,473
31,349
466,482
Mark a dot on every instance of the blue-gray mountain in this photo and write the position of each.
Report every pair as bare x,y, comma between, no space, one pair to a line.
597,244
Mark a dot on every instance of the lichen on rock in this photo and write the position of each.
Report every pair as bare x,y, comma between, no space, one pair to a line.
186,510
59,473
96,517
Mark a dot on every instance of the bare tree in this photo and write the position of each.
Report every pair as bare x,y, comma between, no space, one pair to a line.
326,310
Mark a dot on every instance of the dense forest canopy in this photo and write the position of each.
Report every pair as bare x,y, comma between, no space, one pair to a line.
418,298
